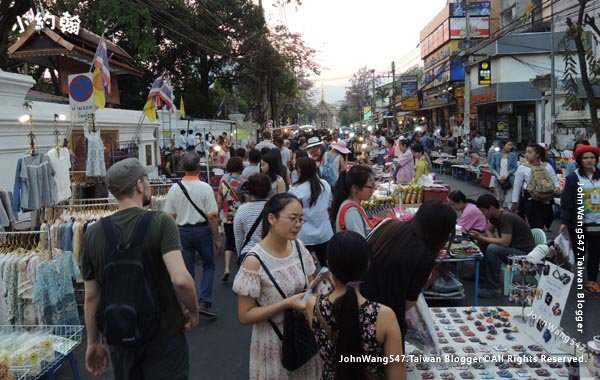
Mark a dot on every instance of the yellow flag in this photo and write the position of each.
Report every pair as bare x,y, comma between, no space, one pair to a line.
149,110
181,107
99,98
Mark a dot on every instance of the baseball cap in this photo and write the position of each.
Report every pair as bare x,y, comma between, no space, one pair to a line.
123,175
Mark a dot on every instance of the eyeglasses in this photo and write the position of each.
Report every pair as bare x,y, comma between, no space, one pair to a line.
369,187
294,219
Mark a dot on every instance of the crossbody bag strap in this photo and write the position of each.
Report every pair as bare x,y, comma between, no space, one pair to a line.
231,191
187,195
252,230
262,264
301,263
324,324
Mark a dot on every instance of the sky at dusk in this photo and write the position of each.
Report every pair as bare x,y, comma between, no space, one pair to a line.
350,34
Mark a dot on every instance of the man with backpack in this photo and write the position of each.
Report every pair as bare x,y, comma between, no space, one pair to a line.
135,285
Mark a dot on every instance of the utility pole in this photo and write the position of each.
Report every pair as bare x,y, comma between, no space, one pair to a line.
393,94
373,99
552,84
467,95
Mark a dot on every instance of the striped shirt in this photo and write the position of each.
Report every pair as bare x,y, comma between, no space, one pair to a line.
245,217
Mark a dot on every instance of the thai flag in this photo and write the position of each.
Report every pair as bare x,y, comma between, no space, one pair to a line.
162,94
221,108
101,62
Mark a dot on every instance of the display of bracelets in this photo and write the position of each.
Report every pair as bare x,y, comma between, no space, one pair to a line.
485,332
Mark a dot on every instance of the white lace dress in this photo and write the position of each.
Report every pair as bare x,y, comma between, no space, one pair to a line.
265,347
95,166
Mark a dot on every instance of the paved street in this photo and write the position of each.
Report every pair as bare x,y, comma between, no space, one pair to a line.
219,347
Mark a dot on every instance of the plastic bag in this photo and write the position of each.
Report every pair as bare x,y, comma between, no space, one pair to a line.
421,328
425,180
564,244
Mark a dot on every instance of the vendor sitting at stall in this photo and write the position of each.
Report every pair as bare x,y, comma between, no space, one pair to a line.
515,239
471,217
422,161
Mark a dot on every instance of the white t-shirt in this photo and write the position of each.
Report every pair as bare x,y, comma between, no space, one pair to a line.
504,166
523,177
60,159
180,141
317,228
285,156
202,195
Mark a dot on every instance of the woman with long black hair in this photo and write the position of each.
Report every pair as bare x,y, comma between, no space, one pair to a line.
352,187
346,324
403,255
270,164
315,195
539,213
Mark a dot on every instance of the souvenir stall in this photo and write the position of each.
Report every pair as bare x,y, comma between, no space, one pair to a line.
522,341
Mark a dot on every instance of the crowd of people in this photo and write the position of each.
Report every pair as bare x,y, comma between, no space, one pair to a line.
289,206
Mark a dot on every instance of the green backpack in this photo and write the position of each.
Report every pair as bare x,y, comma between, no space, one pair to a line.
541,187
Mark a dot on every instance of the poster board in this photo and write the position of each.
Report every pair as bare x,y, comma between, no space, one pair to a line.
548,307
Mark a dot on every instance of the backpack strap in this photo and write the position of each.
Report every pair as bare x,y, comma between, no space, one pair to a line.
112,238
141,228
342,218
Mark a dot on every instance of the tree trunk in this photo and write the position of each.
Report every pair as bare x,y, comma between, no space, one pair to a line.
585,79
8,17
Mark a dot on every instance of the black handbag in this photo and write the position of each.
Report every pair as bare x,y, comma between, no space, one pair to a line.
298,342
507,185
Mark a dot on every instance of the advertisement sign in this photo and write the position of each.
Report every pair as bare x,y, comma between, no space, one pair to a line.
502,130
478,9
457,71
408,86
410,104
367,115
548,306
81,99
480,27
485,73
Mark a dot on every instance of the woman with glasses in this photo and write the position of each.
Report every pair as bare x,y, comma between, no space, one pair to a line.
353,186
291,267
315,195
403,256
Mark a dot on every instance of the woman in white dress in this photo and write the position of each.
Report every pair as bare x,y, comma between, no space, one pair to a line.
258,299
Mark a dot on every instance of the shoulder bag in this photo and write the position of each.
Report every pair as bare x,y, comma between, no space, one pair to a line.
187,195
298,342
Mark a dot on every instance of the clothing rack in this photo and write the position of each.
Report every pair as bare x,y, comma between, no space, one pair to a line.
91,201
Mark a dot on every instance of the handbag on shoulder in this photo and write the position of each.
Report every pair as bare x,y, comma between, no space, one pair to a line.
298,342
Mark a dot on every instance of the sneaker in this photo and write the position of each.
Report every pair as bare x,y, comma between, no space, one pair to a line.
488,293
206,310
593,289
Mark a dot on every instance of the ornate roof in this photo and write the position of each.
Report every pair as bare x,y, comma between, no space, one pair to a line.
40,47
